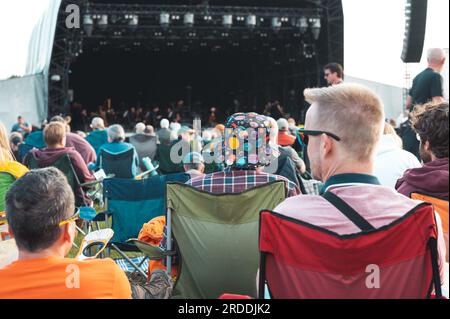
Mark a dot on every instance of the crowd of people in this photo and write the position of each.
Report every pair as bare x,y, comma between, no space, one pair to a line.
346,148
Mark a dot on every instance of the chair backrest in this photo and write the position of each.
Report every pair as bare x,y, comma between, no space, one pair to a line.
24,149
217,237
145,146
120,164
303,261
64,164
166,166
6,180
441,206
132,203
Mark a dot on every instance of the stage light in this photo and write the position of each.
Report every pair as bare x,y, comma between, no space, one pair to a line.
189,19
303,24
315,27
103,22
88,24
276,23
251,21
164,19
55,78
134,21
227,20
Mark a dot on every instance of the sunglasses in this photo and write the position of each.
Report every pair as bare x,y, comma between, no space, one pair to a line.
304,135
73,218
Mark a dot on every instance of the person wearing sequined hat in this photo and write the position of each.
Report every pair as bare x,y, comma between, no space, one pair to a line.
245,152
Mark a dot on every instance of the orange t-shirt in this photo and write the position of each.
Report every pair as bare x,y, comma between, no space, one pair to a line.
63,278
285,139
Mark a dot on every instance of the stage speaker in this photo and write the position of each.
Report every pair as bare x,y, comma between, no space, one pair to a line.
415,26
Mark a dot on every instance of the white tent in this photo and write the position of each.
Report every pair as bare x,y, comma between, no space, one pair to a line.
27,29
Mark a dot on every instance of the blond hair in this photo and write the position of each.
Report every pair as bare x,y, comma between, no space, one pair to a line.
54,133
5,151
354,113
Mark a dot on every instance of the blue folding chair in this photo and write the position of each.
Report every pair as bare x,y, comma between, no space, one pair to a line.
132,203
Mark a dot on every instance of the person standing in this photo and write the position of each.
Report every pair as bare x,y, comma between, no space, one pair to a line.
334,73
428,85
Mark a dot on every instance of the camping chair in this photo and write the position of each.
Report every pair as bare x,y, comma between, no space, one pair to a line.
166,166
118,164
217,238
441,206
6,180
130,204
303,261
24,149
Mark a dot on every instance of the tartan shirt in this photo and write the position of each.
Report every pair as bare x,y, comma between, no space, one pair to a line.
231,182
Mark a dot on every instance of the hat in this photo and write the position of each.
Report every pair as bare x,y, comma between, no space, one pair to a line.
283,124
245,143
193,158
185,129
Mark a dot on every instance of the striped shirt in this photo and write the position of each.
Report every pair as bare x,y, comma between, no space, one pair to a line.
231,182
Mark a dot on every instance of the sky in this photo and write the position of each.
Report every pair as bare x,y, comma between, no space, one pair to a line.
373,36
17,19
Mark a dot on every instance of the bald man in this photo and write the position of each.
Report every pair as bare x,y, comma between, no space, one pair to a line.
428,85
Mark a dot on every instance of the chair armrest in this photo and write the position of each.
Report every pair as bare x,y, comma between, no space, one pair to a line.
90,184
100,217
151,251
142,175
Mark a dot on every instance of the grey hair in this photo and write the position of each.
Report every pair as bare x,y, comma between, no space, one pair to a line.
116,133
97,122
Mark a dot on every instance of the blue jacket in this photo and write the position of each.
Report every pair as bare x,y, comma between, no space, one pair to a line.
97,138
117,148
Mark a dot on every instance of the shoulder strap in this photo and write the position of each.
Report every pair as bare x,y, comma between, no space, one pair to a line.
349,212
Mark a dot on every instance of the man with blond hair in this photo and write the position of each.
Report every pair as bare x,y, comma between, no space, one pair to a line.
342,130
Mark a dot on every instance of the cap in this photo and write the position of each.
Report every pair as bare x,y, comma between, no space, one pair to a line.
283,124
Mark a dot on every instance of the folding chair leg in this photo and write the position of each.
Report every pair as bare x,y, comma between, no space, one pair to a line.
140,264
130,261
169,241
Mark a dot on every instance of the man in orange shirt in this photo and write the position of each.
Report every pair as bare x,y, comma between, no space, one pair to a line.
40,211
284,138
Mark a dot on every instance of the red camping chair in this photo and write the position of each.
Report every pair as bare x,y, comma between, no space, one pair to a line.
302,261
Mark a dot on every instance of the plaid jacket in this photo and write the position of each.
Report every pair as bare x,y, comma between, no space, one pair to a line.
238,181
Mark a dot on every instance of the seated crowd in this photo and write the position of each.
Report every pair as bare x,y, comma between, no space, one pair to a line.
347,149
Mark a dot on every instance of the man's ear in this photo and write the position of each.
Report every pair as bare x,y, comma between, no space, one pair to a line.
326,144
10,232
69,232
426,146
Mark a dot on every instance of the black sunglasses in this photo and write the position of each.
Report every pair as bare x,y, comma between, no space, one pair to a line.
303,134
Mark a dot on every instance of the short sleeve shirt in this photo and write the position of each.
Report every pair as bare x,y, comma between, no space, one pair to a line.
426,85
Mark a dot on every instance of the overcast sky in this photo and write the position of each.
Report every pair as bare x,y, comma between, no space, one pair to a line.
373,36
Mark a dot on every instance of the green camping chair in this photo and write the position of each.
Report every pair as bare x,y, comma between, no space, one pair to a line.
166,166
6,180
217,238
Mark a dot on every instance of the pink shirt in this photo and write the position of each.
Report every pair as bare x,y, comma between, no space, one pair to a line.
379,205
